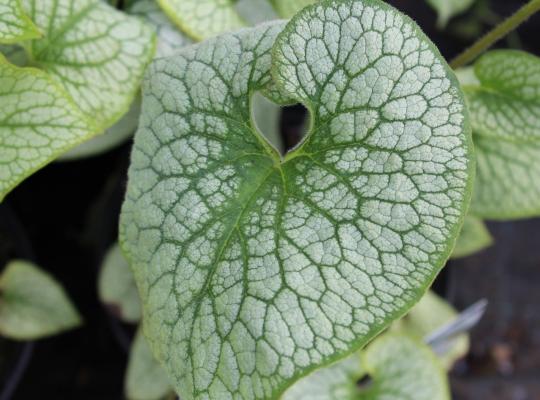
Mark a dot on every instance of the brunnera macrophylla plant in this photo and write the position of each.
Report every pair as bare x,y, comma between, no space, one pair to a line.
256,268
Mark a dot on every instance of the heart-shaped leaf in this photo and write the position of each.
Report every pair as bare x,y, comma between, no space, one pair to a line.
397,367
32,304
255,270
15,26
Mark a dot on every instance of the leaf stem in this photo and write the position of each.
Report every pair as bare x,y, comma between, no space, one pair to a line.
501,30
18,372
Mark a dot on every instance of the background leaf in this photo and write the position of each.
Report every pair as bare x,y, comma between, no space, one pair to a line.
96,52
145,378
507,184
447,9
38,122
288,8
116,287
506,101
473,238
169,38
32,304
398,367
201,19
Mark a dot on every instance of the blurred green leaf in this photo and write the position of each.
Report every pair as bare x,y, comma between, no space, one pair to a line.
116,287
32,304
145,378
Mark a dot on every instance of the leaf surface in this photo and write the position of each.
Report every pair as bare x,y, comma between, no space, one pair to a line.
473,238
96,52
505,102
202,19
38,122
32,304
255,270
507,184
145,378
399,368
169,38
15,26
117,288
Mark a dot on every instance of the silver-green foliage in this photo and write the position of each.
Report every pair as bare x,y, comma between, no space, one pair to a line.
14,23
202,19
91,58
256,269
32,304
503,96
398,367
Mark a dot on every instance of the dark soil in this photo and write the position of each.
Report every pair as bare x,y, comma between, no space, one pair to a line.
65,217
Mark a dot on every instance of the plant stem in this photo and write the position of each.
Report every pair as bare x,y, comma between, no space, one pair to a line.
501,30
18,372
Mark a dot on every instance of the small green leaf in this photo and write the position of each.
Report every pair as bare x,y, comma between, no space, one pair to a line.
448,9
96,52
507,184
169,38
15,26
255,270
32,304
430,314
117,288
399,368
505,103
473,238
145,378
38,122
